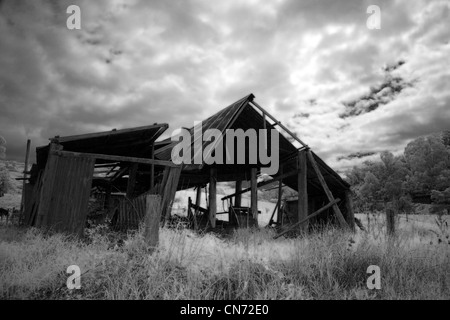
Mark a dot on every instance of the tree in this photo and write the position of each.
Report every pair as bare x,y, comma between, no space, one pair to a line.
4,175
429,160
370,189
2,148
424,168
441,201
377,183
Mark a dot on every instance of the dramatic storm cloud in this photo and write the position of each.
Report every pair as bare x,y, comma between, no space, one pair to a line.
348,91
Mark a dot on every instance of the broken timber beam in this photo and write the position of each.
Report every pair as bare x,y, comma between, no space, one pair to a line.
115,158
278,123
312,215
330,197
261,184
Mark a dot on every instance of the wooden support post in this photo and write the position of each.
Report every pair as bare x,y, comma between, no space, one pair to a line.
198,197
152,169
330,197
254,195
107,204
280,195
131,179
277,205
25,170
212,196
152,218
302,200
189,211
349,207
238,200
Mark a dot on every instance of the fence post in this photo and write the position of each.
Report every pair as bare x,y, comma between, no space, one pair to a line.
390,220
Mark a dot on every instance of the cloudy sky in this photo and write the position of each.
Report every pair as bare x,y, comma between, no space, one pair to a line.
315,65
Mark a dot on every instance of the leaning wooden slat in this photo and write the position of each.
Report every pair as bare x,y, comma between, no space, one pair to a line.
336,209
46,191
295,225
169,190
31,209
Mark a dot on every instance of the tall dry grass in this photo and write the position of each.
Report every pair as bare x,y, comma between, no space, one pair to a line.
330,264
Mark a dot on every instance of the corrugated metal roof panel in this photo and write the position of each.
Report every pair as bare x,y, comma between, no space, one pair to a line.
132,142
221,121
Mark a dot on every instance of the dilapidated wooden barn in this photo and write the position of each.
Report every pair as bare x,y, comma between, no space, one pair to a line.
123,167
299,168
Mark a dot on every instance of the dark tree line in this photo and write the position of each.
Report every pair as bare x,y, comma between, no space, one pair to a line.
422,171
4,174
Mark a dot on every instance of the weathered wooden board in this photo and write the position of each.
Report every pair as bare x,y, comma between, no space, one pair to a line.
65,194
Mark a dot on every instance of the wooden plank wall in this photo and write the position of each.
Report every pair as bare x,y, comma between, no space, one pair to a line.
130,213
59,199
64,202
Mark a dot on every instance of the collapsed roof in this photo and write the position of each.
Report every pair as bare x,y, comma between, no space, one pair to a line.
243,114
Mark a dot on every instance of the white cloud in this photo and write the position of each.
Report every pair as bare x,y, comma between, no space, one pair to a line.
140,62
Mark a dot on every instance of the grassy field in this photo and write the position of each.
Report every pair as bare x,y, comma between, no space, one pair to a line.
248,265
